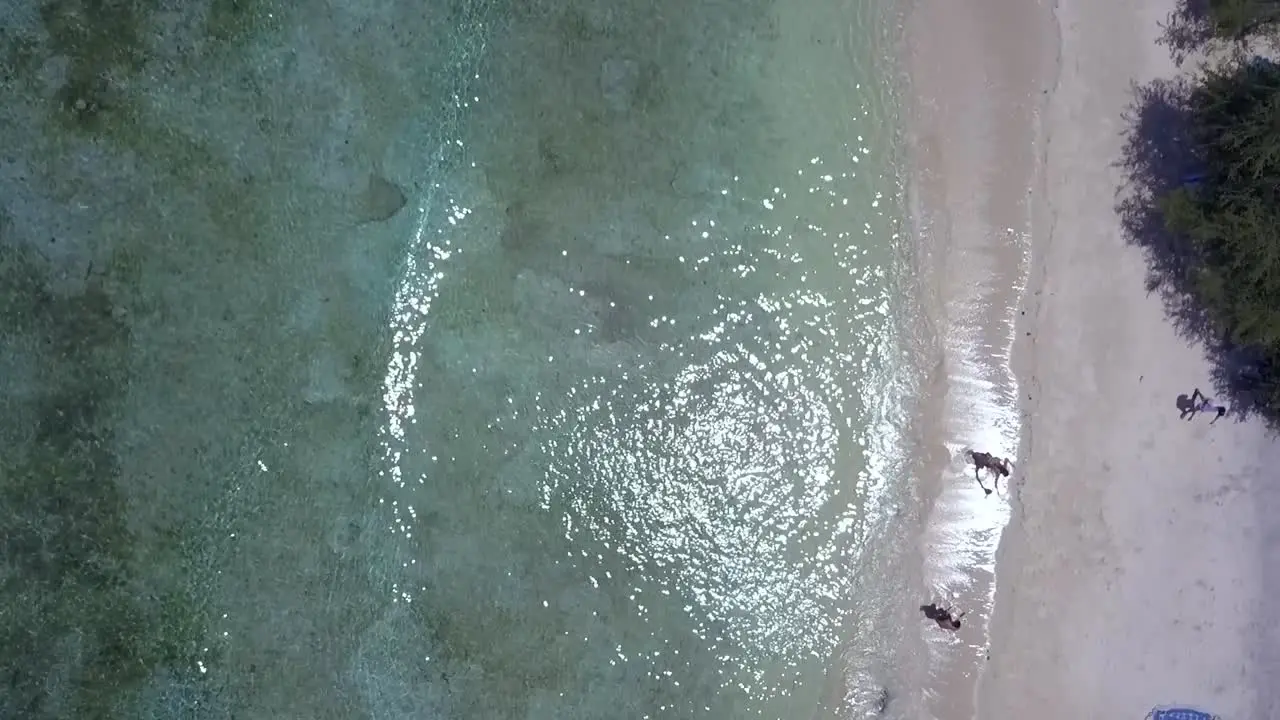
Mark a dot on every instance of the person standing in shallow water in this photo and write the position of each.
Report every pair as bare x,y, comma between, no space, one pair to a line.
1000,467
942,616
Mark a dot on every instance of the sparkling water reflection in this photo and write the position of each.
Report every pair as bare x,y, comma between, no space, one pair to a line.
720,462
639,432
459,359
718,482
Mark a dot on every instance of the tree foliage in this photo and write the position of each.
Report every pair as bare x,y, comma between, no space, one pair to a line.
1231,213
1238,19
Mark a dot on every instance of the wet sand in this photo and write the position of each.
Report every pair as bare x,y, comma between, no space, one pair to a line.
1140,547
978,72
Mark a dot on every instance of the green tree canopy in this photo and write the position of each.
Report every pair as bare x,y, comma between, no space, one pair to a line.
1231,214
1240,18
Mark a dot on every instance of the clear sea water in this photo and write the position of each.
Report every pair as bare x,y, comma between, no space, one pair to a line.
606,421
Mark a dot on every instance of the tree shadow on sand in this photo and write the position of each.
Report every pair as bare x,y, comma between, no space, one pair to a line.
1158,158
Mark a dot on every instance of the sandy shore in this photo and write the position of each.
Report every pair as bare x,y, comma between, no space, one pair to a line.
979,71
1140,549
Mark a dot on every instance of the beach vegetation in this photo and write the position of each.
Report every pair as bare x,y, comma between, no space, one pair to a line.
1228,212
1241,19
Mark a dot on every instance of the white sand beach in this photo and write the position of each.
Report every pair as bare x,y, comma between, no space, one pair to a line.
1141,547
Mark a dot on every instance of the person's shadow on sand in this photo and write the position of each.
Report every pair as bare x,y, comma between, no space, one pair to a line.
1185,406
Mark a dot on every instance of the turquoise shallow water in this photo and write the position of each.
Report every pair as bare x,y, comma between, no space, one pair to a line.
475,361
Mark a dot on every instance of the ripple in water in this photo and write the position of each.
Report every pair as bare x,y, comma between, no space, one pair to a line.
711,445
726,466
719,482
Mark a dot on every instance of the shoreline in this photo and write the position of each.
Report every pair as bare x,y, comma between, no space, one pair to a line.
1113,511
975,76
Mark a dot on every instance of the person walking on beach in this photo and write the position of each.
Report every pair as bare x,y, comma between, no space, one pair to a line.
1000,467
942,616
1189,406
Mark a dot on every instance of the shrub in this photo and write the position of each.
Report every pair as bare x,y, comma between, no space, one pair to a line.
1231,213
